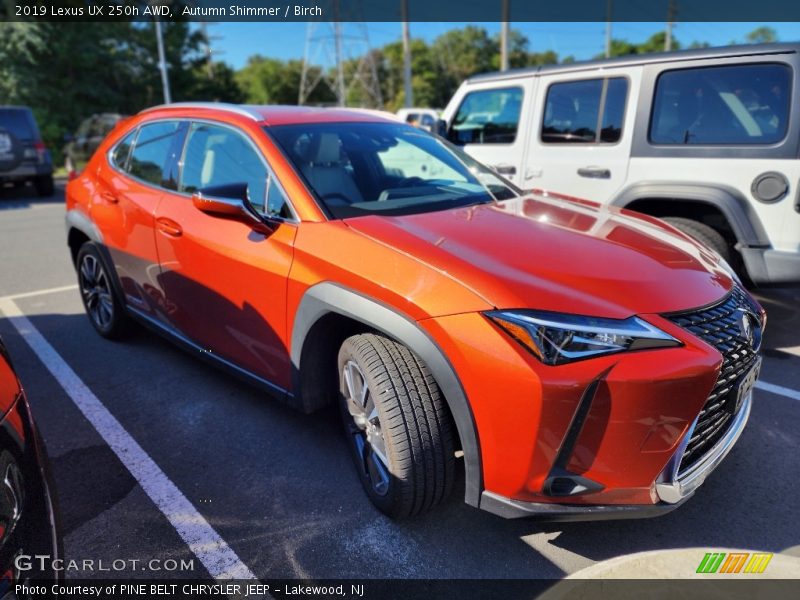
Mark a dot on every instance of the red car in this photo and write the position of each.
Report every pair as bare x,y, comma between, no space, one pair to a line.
585,362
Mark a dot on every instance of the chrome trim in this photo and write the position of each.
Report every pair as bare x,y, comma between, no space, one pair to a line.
672,486
237,109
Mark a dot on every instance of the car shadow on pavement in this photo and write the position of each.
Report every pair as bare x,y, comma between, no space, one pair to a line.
25,196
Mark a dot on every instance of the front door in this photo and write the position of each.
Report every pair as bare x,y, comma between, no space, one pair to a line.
225,283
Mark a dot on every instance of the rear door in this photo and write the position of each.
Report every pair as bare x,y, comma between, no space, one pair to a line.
225,283
130,187
491,121
582,133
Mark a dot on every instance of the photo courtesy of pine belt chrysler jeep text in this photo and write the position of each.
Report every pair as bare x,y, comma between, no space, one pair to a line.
575,361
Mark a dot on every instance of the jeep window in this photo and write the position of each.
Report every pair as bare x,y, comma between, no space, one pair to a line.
740,104
572,112
385,168
120,153
151,150
487,117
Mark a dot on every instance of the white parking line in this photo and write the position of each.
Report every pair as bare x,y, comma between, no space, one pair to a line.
215,554
778,389
54,290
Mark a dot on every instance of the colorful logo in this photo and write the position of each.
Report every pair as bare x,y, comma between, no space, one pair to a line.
734,562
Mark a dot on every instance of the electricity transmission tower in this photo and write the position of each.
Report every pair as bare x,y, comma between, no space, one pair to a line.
338,55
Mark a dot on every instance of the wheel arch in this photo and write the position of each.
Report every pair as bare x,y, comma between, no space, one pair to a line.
740,217
328,309
80,230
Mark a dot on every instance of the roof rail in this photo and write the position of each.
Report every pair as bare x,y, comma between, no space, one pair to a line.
231,108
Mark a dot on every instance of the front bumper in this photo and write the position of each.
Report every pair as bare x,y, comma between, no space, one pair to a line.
765,266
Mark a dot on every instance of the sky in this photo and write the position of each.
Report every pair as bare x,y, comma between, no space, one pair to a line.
235,42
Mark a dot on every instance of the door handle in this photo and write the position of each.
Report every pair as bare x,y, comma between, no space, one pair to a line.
595,173
168,227
505,169
109,197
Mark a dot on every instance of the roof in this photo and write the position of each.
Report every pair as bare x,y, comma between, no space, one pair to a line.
645,59
282,115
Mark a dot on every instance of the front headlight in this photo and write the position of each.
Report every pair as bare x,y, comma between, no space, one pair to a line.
556,338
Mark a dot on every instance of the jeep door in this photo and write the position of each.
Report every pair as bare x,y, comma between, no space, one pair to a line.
226,283
491,120
581,134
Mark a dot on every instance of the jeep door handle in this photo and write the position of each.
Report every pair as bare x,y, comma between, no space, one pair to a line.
109,197
168,227
595,173
505,169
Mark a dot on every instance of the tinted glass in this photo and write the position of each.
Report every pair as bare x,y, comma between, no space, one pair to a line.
19,122
614,110
119,156
572,111
218,156
277,205
743,104
487,117
151,151
384,168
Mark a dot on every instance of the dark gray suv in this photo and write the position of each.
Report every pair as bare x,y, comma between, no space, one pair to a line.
23,155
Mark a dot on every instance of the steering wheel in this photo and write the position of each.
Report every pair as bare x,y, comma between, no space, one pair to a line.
332,195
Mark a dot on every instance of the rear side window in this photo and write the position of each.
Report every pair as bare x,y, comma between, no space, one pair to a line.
120,153
740,104
585,112
151,150
487,117
19,122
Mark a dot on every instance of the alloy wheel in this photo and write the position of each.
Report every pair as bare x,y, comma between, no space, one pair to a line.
96,291
365,427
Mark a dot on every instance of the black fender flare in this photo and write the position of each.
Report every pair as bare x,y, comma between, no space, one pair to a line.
324,298
737,210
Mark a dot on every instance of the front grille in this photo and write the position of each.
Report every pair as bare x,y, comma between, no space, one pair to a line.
718,325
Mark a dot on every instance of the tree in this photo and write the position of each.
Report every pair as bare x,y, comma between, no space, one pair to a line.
762,35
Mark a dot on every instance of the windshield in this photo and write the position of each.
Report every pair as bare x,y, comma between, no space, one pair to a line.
385,168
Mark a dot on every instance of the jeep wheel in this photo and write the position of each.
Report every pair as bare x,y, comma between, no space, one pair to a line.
104,310
703,234
397,425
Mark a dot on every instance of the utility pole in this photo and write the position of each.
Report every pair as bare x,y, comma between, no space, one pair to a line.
672,11
504,37
408,100
162,63
608,28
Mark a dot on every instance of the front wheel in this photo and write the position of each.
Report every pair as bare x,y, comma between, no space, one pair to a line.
105,311
397,425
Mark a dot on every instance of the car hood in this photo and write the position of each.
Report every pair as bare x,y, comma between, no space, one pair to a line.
554,254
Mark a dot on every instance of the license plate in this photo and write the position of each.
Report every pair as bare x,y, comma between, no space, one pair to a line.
745,386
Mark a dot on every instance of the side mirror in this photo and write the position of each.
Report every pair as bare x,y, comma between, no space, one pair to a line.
231,201
440,128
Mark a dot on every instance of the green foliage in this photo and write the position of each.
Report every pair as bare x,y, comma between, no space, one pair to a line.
762,35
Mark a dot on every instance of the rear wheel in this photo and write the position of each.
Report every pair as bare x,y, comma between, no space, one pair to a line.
44,185
704,234
397,425
105,311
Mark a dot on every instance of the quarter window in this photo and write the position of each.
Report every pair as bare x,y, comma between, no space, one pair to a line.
585,112
487,117
151,150
739,104
119,156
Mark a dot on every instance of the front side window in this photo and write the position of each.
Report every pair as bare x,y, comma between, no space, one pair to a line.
150,153
217,155
740,104
572,112
487,117
385,168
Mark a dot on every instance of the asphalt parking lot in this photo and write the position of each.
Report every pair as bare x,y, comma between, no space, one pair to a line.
278,487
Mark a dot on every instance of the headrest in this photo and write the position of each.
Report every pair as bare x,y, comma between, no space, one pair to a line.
328,149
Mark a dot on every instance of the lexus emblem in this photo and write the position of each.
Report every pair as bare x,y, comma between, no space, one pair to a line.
747,329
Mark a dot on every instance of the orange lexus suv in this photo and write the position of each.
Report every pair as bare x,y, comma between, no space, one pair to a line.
580,361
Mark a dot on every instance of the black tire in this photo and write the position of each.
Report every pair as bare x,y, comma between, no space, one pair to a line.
104,309
703,234
44,185
412,419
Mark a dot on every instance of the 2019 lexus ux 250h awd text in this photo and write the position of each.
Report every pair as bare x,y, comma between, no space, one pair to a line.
586,362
